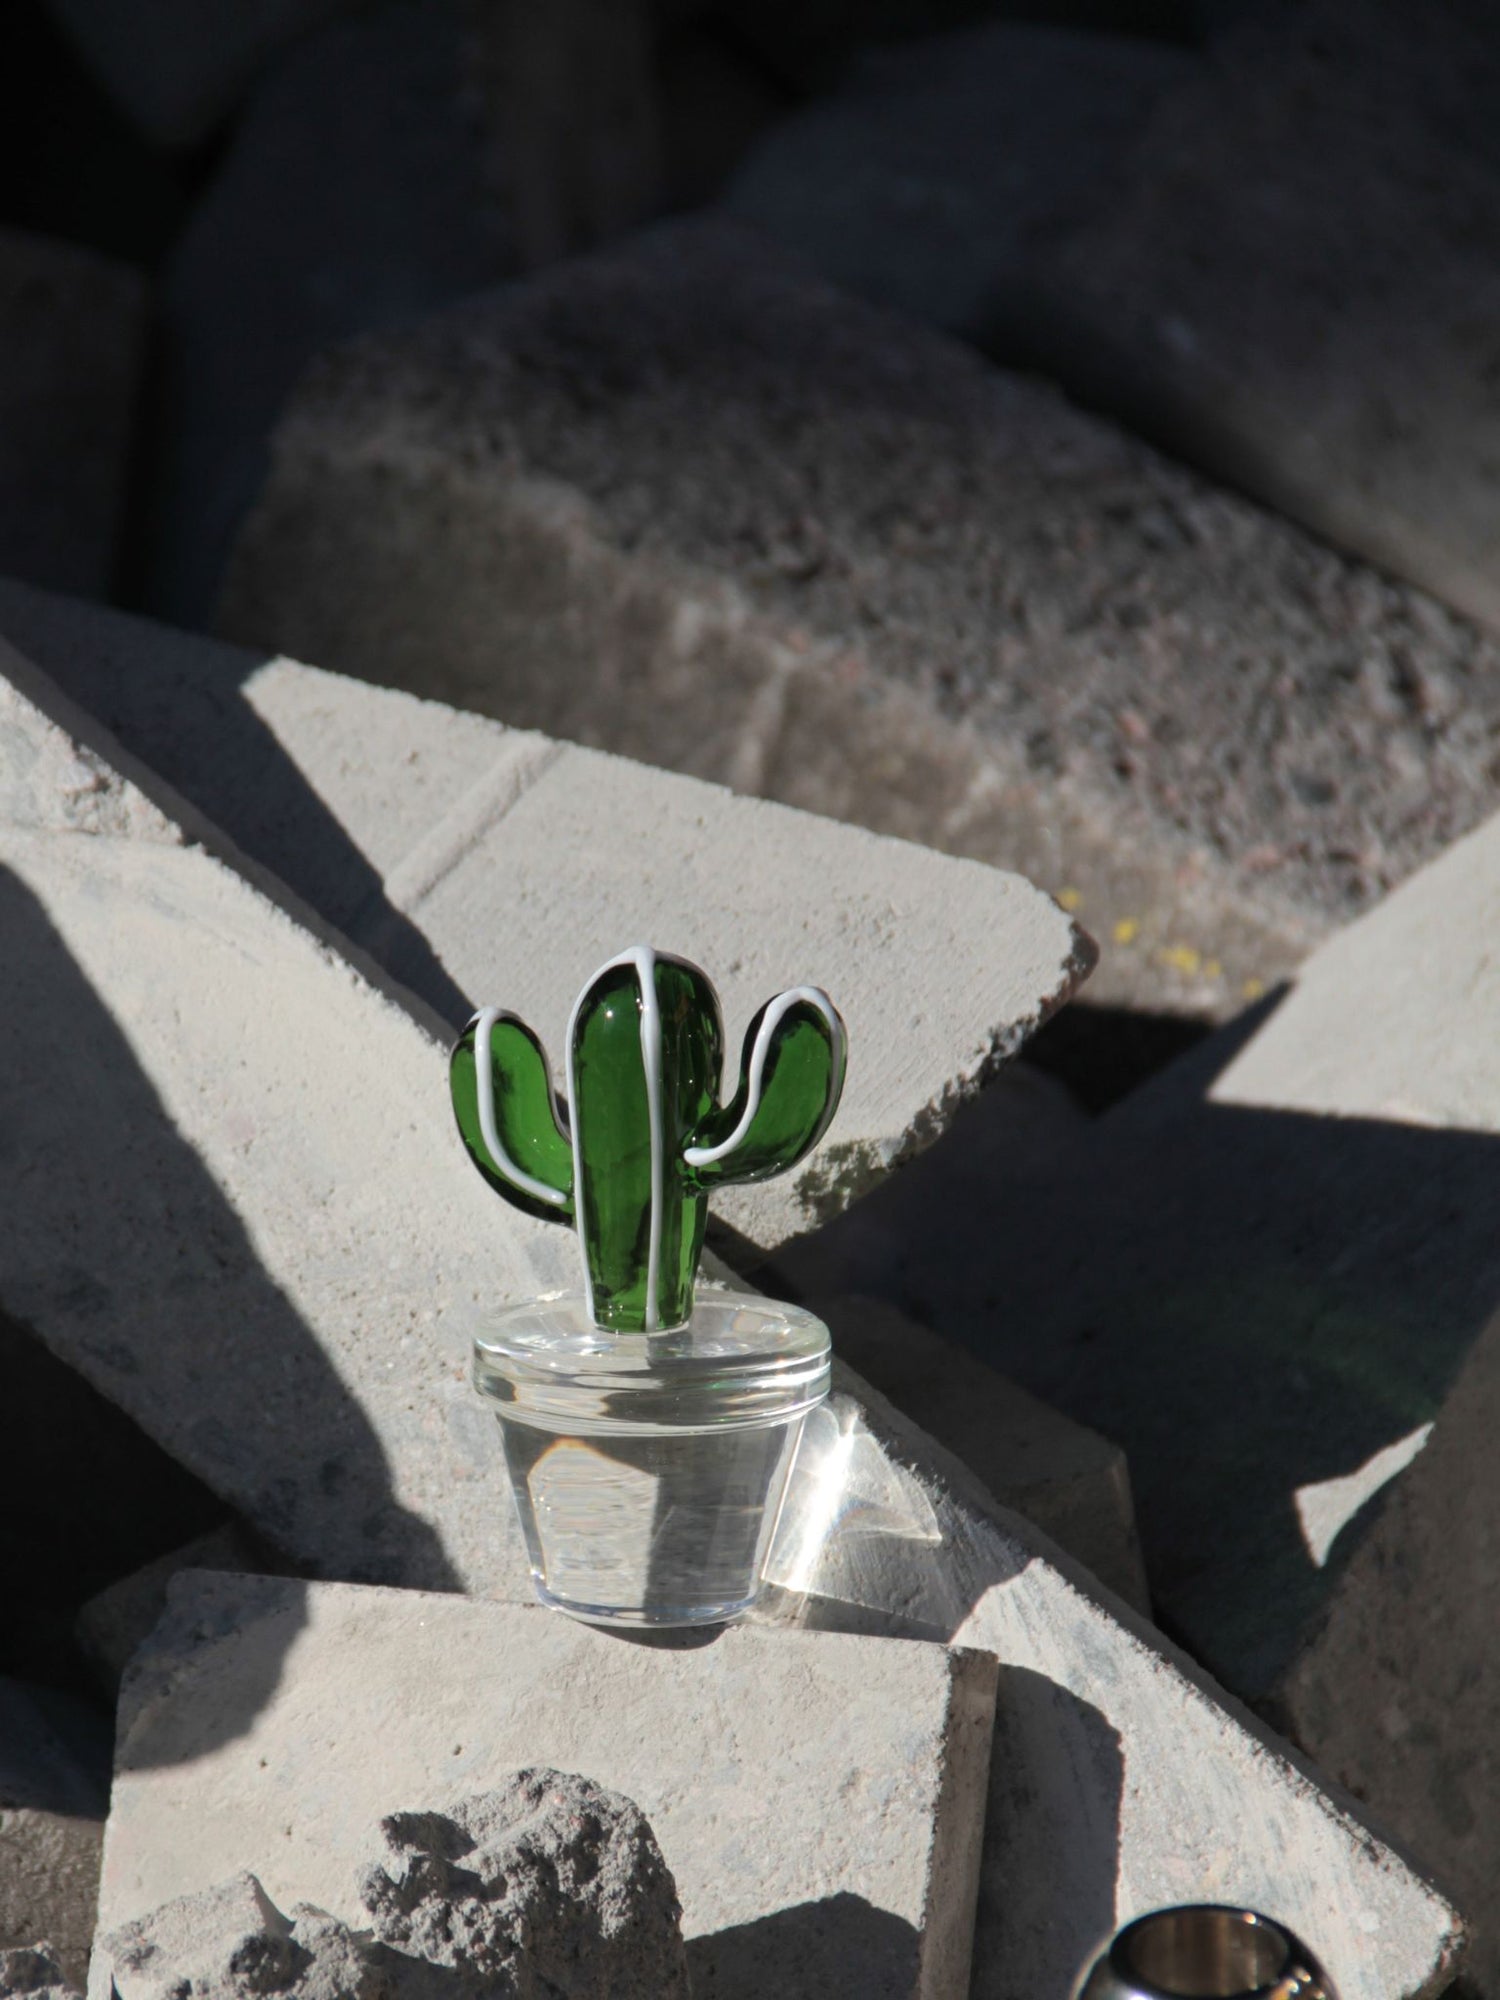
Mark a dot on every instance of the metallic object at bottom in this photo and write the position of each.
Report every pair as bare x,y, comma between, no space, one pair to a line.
1205,1951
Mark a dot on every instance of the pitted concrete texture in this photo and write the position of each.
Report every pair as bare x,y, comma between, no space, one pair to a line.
818,1797
683,501
72,342
230,1942
549,1884
1293,281
53,1793
485,865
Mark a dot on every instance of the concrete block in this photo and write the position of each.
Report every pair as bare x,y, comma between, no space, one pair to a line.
927,179
349,198
818,1797
1246,291
480,863
176,67
54,1789
72,340
111,1625
189,1101
683,501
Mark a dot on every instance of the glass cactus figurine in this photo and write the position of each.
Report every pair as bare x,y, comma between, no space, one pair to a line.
648,1429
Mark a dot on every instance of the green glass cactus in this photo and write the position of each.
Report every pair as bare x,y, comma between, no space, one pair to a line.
633,1156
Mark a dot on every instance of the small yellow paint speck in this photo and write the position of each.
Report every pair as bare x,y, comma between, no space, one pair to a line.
1126,930
1253,989
1071,899
1180,958
1212,969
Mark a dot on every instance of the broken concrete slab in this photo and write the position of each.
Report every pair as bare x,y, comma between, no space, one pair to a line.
1294,284
351,197
482,865
925,181
186,1106
54,1791
1069,1481
683,501
382,1466
176,67
72,342
735,1750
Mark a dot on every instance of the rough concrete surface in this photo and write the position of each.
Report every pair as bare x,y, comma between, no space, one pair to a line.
175,67
483,865
1294,282
927,179
72,341
548,1884
230,1942
244,1734
54,1789
684,501
349,198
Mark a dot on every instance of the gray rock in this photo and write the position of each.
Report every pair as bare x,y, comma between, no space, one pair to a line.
685,502
72,340
351,198
54,1790
926,181
231,1942
33,1970
175,67
548,1885
1295,283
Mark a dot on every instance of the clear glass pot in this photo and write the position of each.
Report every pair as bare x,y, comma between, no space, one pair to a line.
649,1469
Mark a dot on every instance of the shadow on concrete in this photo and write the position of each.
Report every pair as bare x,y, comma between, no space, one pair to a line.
1252,1302
191,722
840,1947
121,1251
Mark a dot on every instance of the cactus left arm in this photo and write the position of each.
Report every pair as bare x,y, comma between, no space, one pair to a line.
791,1076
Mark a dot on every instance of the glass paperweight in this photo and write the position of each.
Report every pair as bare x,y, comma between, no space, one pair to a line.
648,1431
649,1469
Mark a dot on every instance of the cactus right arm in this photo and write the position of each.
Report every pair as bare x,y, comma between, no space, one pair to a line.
509,1117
